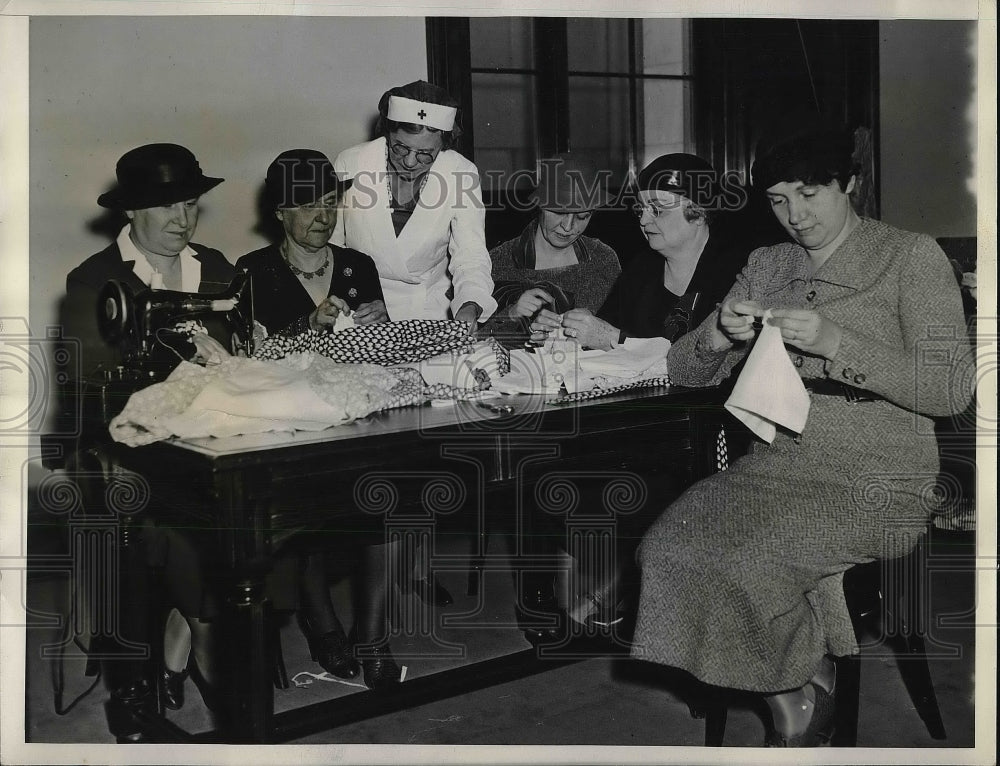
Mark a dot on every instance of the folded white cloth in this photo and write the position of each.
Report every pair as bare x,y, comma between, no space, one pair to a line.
528,375
633,358
769,391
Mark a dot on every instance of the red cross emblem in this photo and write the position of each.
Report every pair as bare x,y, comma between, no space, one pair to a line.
421,114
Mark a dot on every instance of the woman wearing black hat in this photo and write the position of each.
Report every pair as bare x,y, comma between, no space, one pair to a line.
304,282
741,577
417,210
158,189
689,266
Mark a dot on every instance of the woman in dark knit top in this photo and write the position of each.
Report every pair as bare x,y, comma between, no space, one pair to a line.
688,268
551,267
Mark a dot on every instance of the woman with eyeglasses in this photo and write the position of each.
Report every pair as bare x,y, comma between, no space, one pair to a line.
690,265
416,209
688,268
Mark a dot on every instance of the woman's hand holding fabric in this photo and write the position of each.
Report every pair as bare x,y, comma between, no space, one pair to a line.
736,323
530,301
327,312
371,313
545,321
808,330
589,330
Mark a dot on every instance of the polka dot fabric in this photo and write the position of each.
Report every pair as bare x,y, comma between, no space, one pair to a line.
385,343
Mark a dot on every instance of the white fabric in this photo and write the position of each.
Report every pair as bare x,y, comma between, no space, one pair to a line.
305,392
190,266
769,391
561,363
527,376
438,116
442,245
633,358
459,370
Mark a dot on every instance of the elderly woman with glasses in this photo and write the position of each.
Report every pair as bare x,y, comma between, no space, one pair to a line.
688,268
416,209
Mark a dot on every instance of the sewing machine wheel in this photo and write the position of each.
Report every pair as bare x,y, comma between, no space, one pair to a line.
114,310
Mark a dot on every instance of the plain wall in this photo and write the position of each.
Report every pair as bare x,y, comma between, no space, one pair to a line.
236,91
927,126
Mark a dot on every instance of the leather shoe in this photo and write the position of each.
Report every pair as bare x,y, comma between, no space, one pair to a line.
381,672
821,724
331,650
430,591
125,708
172,688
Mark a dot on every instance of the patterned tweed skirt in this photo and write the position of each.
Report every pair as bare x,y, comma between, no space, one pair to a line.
742,575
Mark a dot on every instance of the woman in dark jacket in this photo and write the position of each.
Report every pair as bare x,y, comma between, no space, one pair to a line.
303,283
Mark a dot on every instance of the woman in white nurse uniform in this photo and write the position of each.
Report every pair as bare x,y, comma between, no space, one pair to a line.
415,207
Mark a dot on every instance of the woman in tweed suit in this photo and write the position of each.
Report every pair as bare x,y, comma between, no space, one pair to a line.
741,576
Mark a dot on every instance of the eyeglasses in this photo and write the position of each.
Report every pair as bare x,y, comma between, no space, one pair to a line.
638,208
402,151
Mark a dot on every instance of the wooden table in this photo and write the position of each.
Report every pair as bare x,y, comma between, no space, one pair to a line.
407,469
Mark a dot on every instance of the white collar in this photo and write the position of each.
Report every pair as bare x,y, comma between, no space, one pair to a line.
190,266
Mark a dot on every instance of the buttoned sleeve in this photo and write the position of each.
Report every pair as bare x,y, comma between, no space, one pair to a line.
932,370
469,263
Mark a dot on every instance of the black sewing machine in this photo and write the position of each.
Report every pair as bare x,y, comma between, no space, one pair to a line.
148,328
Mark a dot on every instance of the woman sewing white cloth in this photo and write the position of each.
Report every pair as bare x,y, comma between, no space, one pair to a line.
415,207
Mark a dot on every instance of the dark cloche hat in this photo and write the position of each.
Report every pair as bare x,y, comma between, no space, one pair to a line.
156,174
300,177
681,173
569,183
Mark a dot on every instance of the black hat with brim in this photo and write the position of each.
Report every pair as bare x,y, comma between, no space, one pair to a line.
301,177
154,175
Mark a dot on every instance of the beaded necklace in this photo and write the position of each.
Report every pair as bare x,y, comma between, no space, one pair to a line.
306,274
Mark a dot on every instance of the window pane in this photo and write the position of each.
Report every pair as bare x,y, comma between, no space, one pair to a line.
665,119
664,47
597,45
504,120
599,123
501,42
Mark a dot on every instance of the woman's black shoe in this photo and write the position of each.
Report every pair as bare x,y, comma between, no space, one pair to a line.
381,670
821,724
331,650
431,591
172,688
